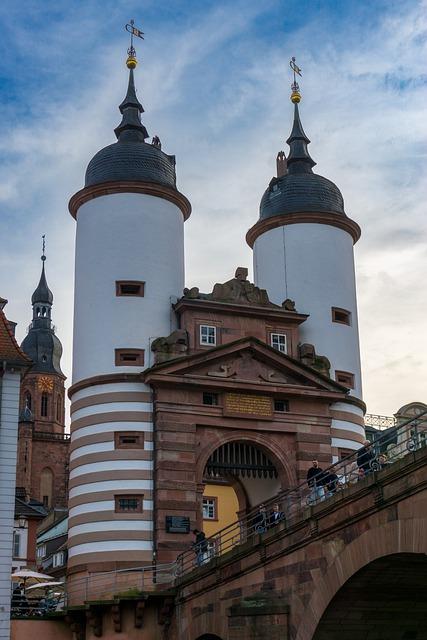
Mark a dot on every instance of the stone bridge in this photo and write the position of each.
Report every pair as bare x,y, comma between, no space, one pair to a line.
354,567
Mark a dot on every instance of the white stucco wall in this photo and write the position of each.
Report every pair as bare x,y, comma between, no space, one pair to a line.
124,236
313,264
9,409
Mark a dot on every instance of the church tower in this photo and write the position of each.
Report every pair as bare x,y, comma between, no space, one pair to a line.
129,267
42,443
303,250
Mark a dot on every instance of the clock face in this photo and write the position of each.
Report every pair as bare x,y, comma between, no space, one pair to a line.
45,384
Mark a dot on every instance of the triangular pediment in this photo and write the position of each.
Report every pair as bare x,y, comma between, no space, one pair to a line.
247,360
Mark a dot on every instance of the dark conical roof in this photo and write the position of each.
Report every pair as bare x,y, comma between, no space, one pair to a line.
300,190
42,294
131,158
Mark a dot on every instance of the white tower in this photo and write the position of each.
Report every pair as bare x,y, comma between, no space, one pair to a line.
129,267
303,250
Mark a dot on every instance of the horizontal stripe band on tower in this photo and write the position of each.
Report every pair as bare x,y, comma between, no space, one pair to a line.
111,427
349,426
111,455
108,504
101,496
98,536
345,443
346,416
113,416
348,435
106,379
114,396
95,557
111,545
107,436
111,465
108,476
111,407
108,526
109,517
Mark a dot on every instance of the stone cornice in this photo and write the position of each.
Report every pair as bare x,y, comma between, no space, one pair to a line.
331,219
123,186
242,309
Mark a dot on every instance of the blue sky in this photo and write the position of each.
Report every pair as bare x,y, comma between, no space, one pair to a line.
214,81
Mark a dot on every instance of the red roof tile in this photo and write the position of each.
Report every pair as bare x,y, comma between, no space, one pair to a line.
9,348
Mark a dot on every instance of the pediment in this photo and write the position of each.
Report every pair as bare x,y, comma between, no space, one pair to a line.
247,361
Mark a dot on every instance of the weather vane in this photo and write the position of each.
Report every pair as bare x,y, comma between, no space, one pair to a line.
43,247
130,28
295,96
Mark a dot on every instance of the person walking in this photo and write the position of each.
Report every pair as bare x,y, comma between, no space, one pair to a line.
201,547
365,457
275,515
315,480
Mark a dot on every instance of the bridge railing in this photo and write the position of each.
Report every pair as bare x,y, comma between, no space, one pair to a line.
290,505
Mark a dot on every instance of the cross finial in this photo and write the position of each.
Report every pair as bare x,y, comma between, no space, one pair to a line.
43,247
131,62
295,95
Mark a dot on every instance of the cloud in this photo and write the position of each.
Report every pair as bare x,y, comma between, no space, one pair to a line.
214,84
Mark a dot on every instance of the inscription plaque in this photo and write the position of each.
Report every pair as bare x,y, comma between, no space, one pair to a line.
177,524
248,406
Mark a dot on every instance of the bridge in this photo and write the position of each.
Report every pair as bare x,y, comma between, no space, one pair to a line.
348,563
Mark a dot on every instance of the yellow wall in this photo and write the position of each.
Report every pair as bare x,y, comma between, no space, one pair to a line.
228,505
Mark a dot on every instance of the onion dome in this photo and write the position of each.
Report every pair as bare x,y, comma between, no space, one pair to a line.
41,344
300,190
131,158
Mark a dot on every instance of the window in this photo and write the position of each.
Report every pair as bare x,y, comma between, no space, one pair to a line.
130,288
129,357
129,439
210,398
345,378
207,335
210,508
128,504
59,408
58,559
281,405
16,545
41,551
341,315
278,341
44,405
27,400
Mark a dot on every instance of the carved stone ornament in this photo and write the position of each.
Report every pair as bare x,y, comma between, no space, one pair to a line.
308,356
238,290
170,347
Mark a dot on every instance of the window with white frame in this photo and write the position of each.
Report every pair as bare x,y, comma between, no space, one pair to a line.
41,551
278,341
16,545
58,559
207,335
210,508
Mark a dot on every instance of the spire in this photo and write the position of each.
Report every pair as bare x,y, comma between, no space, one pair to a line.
299,160
42,294
131,127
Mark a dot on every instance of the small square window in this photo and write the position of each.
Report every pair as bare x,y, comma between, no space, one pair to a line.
129,439
207,335
341,315
281,405
345,378
210,398
278,341
128,504
210,508
129,357
130,288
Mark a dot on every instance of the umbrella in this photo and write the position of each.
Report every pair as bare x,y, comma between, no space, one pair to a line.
44,585
32,576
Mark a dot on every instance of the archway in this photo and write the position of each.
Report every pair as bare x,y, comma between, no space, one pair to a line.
384,599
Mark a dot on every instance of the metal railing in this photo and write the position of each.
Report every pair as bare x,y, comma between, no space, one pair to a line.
290,506
379,422
122,582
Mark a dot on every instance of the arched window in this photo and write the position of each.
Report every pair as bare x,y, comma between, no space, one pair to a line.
44,405
46,487
27,400
59,408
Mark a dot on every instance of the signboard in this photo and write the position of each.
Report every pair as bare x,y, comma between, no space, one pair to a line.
177,524
248,405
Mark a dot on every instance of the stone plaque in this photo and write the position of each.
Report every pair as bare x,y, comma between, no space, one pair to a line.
248,406
177,524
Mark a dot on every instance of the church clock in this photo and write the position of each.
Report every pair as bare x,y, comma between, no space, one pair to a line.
45,384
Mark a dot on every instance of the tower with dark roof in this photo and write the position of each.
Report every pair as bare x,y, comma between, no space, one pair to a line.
129,268
42,443
303,250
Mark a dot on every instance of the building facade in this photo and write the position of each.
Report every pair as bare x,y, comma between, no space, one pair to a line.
189,408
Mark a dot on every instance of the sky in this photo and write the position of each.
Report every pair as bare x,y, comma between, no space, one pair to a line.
214,80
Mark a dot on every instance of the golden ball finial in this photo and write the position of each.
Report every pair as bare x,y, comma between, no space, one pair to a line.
131,62
295,97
